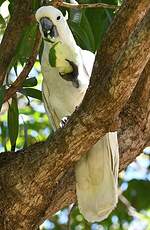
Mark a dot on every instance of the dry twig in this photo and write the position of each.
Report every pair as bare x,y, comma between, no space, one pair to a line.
82,6
60,3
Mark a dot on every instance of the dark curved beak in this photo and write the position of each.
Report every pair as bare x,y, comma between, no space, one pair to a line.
48,28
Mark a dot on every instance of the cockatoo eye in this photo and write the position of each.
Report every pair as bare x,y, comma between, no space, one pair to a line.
58,18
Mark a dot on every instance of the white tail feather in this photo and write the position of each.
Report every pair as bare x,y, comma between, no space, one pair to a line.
96,179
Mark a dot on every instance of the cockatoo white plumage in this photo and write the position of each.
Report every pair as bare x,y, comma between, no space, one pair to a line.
66,72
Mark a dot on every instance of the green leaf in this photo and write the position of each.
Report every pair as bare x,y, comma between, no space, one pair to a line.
13,123
29,92
2,94
138,194
52,56
11,6
2,22
30,82
101,20
82,31
35,4
89,25
1,2
3,135
26,44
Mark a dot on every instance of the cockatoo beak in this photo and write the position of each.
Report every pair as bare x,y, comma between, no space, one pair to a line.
48,28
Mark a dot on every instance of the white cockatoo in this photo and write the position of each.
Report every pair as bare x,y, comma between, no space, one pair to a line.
66,70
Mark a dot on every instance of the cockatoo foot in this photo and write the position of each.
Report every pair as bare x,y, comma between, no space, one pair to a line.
64,121
73,76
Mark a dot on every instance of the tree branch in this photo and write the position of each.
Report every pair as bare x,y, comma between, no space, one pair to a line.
86,5
40,178
60,3
135,116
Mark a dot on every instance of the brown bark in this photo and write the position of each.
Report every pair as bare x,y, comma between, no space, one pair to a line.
38,181
134,133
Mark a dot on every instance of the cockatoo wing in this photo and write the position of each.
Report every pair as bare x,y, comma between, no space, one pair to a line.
52,115
88,59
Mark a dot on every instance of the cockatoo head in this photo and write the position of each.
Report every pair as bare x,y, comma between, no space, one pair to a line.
52,23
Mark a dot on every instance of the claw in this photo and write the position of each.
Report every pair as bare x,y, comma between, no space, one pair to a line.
64,121
73,76
74,67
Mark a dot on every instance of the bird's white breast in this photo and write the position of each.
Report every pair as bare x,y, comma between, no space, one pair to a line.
61,94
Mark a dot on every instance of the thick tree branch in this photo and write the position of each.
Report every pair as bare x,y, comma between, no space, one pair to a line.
36,177
134,133
18,21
